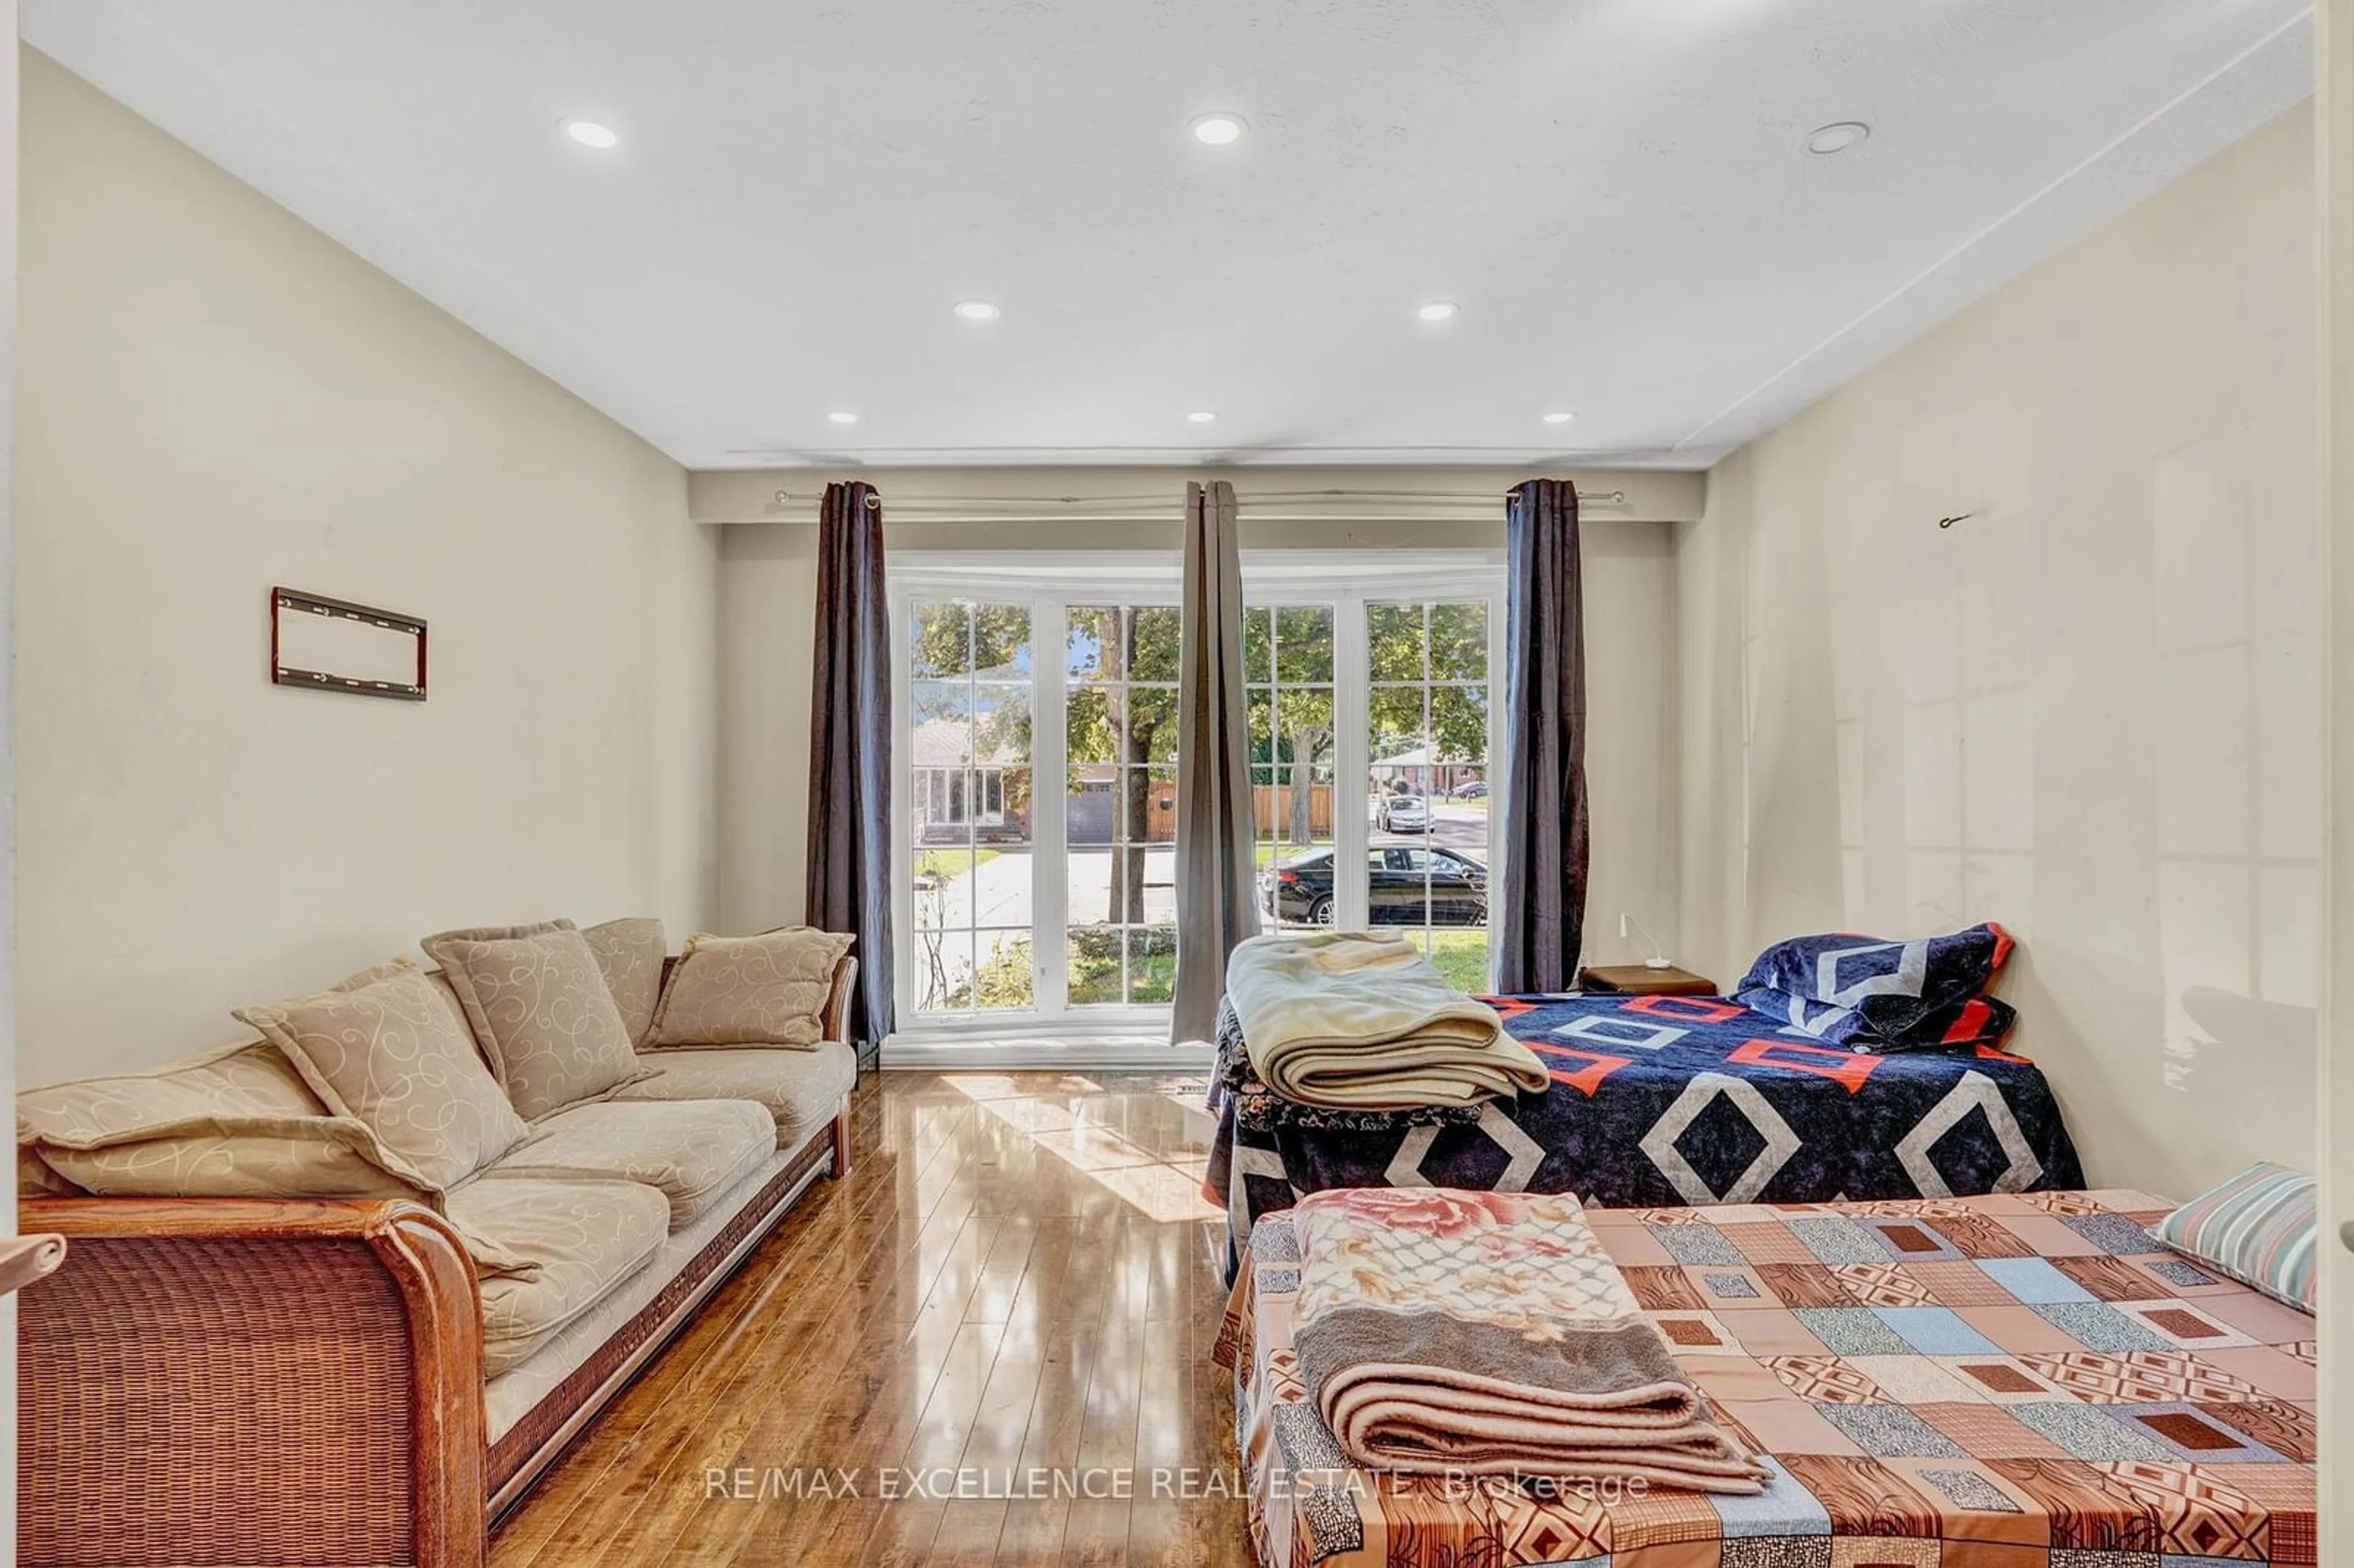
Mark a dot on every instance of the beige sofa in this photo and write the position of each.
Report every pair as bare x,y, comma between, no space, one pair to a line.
349,1371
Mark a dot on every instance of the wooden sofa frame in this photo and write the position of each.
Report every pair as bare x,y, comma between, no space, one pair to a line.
213,1381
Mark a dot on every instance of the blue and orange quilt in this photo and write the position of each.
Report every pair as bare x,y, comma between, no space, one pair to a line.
1666,1100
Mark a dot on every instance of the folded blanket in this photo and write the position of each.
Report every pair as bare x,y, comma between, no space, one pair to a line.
1355,952
1384,1033
1261,1109
1488,1333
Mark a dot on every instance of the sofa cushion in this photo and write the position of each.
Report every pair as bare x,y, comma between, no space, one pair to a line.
630,954
238,1122
384,1048
801,1090
769,990
538,1005
693,1152
580,1238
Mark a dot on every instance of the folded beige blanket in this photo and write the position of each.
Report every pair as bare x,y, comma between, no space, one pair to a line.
1488,1333
1359,1023
1355,952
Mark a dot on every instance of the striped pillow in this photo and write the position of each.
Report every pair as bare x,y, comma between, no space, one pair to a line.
2259,1228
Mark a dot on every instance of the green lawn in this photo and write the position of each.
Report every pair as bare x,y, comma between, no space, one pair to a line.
1462,958
1152,977
1005,976
1269,852
938,864
1094,952
1003,980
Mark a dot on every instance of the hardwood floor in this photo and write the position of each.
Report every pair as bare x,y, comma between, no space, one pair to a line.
1014,1292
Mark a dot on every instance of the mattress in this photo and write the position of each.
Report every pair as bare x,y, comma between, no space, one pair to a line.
1996,1382
1669,1100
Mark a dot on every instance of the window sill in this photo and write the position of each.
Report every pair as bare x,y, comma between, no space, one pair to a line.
1125,1044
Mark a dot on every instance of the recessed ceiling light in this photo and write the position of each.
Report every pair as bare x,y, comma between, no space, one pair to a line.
1218,130
589,133
843,416
1836,137
1559,416
977,310
1437,310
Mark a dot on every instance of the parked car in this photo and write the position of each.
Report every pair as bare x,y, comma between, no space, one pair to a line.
1406,884
1475,791
1403,814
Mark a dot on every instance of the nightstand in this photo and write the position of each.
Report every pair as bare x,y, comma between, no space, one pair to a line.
1638,980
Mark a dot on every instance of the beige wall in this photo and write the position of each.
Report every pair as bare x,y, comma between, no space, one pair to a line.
767,597
768,627
2091,711
2334,140
216,398
9,1065
1630,746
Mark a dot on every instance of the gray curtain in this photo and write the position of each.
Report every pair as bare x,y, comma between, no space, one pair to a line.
1214,854
1546,831
850,750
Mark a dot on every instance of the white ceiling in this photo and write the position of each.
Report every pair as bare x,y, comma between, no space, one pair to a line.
1612,190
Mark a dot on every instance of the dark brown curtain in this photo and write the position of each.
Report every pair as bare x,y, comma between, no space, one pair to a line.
1545,831
850,750
1217,859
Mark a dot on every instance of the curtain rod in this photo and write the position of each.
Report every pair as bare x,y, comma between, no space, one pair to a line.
1175,505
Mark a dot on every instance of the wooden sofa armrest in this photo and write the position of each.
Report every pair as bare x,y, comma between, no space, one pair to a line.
225,1381
836,1018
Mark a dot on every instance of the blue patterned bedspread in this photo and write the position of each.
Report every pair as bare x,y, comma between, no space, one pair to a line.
1670,1100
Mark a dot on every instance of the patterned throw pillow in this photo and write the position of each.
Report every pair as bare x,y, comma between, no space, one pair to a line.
1874,995
383,1047
630,954
2260,1228
538,1005
769,990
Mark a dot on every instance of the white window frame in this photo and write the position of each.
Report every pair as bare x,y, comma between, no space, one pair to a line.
1308,576
1050,582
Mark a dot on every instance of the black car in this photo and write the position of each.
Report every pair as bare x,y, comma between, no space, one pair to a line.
1408,885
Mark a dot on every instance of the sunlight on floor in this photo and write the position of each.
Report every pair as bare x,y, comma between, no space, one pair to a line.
997,1086
1163,1192
1160,1187
1092,1149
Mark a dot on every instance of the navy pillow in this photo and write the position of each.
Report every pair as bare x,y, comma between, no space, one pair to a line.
1979,1021
1871,994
